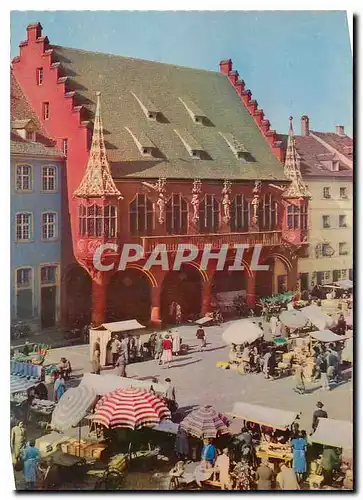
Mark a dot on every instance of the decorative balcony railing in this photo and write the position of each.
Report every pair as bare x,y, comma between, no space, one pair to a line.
268,238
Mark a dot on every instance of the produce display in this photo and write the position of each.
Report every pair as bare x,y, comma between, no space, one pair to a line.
274,450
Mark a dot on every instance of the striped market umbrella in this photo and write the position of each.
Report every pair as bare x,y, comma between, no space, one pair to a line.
72,407
205,422
132,408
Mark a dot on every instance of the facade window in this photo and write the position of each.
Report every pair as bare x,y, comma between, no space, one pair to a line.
240,213
141,215
327,276
30,135
24,293
48,275
176,215
293,217
109,221
24,226
49,226
339,274
326,221
209,214
343,193
23,178
342,221
326,192
97,221
45,110
268,216
40,75
65,147
343,249
351,274
49,178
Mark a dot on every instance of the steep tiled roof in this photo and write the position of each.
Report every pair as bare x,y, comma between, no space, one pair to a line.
119,79
311,152
21,113
341,143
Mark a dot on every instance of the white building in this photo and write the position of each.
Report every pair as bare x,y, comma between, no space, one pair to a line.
326,165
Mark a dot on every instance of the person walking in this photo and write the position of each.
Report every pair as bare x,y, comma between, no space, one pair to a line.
273,324
266,364
286,478
170,396
201,337
59,388
264,475
121,366
31,457
158,348
222,465
182,444
96,363
298,445
318,413
176,343
300,379
324,373
18,441
167,346
115,349
178,314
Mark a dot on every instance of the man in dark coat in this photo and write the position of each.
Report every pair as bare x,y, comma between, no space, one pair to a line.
318,413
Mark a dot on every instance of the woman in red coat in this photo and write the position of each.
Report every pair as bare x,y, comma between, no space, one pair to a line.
167,354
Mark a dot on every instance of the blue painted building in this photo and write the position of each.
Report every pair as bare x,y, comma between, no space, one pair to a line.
36,209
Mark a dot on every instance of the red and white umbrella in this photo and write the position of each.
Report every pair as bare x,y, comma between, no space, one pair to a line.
132,408
205,422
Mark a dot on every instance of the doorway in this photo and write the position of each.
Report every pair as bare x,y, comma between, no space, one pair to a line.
48,301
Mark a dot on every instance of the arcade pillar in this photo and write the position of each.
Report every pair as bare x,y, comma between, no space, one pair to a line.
98,301
206,296
251,291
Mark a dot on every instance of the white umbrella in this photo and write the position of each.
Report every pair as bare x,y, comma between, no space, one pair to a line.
72,407
242,332
317,317
293,319
346,284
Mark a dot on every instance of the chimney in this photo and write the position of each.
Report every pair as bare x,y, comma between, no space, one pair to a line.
305,131
233,76
339,130
225,66
34,31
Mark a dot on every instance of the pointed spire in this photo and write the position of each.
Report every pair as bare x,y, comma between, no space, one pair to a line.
297,188
97,180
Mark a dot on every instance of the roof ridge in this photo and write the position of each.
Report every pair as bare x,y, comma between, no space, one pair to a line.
136,59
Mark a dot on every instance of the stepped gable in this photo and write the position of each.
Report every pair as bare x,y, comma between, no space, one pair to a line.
21,111
132,88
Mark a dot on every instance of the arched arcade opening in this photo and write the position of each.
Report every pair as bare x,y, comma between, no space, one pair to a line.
77,296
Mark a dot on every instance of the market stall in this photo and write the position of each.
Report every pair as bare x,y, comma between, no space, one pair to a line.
331,432
317,317
105,383
105,333
241,332
280,420
327,336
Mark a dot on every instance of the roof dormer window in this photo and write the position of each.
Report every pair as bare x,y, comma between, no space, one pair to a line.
237,148
197,115
191,145
143,143
148,107
25,128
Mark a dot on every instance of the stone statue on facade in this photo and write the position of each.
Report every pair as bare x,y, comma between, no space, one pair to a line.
196,190
160,188
226,202
256,201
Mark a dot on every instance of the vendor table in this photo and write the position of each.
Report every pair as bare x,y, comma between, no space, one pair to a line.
270,454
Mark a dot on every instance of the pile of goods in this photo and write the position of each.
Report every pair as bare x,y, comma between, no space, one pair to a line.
83,448
286,362
303,357
36,357
43,406
275,450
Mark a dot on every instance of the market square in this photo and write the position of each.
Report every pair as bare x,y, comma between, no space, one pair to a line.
182,273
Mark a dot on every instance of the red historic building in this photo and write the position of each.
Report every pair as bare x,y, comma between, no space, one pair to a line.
175,155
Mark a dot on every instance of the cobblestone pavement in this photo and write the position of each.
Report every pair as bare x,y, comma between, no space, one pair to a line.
199,381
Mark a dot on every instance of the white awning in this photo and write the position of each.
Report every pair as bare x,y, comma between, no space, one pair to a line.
102,384
21,384
317,317
121,326
167,426
271,417
327,336
332,432
204,321
241,332
346,284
